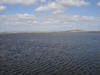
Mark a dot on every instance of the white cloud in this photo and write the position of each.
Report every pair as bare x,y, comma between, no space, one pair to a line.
50,6
77,18
19,19
2,8
60,5
73,2
55,8
98,3
43,0
23,2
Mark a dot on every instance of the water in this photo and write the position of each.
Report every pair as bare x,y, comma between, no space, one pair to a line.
50,54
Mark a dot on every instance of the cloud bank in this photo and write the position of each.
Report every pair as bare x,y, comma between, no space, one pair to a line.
27,19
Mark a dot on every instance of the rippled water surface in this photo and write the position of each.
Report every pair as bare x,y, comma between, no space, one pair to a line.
50,54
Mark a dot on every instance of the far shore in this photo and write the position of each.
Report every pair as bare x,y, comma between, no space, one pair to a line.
70,31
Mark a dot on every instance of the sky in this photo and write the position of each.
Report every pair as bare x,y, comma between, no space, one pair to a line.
49,15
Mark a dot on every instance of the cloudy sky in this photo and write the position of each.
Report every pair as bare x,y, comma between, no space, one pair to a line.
49,15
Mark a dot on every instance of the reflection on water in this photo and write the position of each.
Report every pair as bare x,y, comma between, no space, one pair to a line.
50,54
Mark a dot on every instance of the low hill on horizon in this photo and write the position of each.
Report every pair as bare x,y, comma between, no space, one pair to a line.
69,31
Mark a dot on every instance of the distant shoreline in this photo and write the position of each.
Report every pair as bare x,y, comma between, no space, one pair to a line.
70,31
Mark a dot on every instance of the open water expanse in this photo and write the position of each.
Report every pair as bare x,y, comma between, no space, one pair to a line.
50,54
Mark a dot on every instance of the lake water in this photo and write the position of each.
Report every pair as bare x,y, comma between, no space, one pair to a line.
50,54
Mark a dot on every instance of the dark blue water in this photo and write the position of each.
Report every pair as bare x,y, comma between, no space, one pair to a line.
50,54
